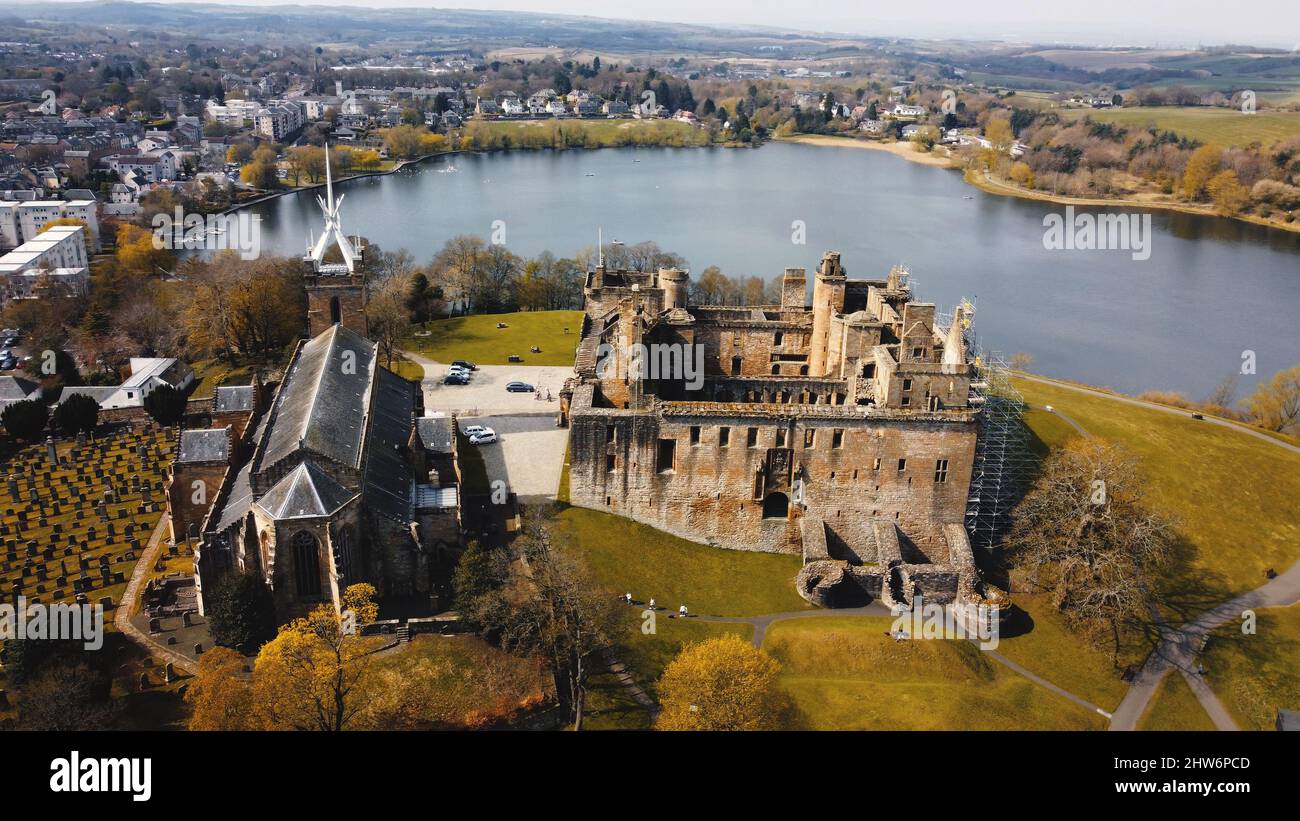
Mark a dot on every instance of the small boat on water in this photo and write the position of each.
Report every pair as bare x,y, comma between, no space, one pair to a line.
451,169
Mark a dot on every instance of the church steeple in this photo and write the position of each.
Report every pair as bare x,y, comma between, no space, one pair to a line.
336,291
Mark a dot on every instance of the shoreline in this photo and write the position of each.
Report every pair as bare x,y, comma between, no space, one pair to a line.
903,149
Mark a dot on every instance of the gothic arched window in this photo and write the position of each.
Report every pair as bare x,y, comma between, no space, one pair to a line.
306,564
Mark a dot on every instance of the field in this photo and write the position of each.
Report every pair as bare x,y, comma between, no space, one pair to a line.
629,557
1232,496
1045,646
503,134
1175,707
1255,675
847,674
478,339
1224,126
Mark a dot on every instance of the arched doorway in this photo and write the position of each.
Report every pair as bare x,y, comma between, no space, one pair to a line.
306,564
776,506
336,311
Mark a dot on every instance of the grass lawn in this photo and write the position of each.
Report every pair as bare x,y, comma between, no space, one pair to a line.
478,339
1232,496
1061,657
847,674
210,374
1224,126
498,134
407,369
477,684
1255,675
1175,707
625,556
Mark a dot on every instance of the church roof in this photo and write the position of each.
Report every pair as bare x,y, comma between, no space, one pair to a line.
234,398
388,484
322,403
305,491
207,445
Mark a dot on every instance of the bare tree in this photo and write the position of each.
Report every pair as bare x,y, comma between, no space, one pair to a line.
1083,535
551,607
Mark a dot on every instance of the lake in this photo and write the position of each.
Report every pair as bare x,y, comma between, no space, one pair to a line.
1180,320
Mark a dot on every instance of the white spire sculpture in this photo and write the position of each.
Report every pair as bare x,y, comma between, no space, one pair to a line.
333,225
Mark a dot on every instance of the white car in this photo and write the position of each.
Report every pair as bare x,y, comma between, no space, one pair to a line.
484,438
475,430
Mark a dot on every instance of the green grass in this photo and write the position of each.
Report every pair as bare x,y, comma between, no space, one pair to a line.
1175,707
1224,126
625,556
1053,652
500,134
847,674
645,656
1232,496
1255,675
210,374
478,339
407,369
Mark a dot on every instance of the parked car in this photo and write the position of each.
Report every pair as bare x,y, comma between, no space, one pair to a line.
11,341
520,387
461,363
455,379
458,369
475,430
487,437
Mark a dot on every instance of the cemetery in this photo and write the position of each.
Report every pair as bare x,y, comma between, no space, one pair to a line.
77,514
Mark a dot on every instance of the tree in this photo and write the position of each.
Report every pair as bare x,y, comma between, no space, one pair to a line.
26,419
314,674
388,319
1227,193
553,609
724,683
219,695
77,413
480,574
165,405
241,613
61,685
1274,404
1083,534
998,132
1201,166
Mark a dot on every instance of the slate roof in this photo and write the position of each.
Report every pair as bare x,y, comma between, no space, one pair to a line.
321,404
240,500
305,491
210,445
436,433
388,484
233,398
14,388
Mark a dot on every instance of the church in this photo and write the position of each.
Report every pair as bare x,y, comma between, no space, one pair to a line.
336,477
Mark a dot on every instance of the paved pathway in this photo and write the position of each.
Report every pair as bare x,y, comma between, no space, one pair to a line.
1179,646
131,598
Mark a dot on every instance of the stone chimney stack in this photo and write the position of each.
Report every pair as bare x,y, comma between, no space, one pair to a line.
794,289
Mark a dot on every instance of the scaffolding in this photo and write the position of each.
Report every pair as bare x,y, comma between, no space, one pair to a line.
1004,462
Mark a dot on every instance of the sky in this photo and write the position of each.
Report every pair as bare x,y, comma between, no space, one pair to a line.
1088,22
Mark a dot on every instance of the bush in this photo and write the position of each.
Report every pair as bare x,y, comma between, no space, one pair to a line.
26,419
241,613
165,405
77,413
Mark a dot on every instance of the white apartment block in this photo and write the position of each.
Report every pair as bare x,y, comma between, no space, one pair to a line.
23,221
280,119
234,112
56,259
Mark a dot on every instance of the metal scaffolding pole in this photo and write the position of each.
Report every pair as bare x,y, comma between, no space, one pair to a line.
1003,461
